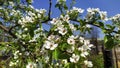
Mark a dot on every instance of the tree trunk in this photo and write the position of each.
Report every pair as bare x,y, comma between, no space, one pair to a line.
108,59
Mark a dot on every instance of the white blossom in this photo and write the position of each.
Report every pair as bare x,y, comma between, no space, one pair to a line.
86,42
78,9
63,31
30,13
71,50
50,45
96,13
16,54
88,63
80,48
42,11
85,47
65,18
71,41
88,26
31,6
103,15
116,18
31,65
84,54
27,53
25,29
47,59
74,58
11,3
54,21
64,61
51,37
72,27
81,39
1,7
12,63
91,10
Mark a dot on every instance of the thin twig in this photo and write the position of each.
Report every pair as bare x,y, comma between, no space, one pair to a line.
50,5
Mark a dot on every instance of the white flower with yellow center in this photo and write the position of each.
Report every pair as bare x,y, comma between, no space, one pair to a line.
74,58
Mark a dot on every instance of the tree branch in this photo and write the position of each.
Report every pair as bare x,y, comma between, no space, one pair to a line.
7,31
50,5
95,25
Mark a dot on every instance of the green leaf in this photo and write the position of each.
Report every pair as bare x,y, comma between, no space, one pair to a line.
55,54
29,1
109,41
118,32
65,7
57,5
63,56
71,65
64,46
18,1
101,24
109,26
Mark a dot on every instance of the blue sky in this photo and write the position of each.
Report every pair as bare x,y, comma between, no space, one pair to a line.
111,6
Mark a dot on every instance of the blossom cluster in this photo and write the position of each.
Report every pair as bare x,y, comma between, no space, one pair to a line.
16,56
50,45
75,12
61,38
31,16
75,9
60,41
95,14
116,19
50,42
61,26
